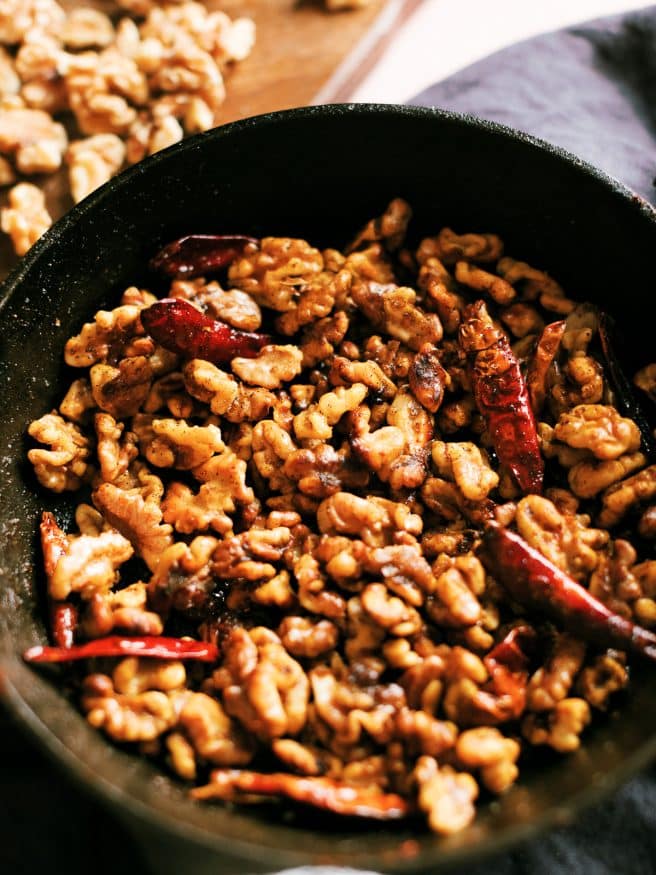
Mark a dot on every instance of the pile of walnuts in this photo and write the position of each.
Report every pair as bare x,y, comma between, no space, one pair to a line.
96,92
315,510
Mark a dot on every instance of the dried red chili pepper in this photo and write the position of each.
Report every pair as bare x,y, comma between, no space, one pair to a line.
539,585
513,651
507,664
63,623
179,327
63,615
198,254
545,352
502,397
115,645
323,793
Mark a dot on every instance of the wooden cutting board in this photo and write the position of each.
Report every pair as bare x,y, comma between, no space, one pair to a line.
303,55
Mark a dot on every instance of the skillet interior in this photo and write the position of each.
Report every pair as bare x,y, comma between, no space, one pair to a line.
318,173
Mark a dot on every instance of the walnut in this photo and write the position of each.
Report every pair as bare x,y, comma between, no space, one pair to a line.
7,174
125,609
446,796
424,734
645,379
307,638
172,443
272,273
225,396
485,748
392,309
272,446
587,479
320,338
456,415
606,675
223,487
140,717
562,728
300,758
535,284
312,592
450,247
132,675
77,402
237,556
369,373
371,265
580,383
390,612
467,466
391,227
213,735
93,161
261,685
316,423
273,366
26,218
647,524
19,17
182,757
114,455
65,466
121,390
234,307
614,581
323,471
87,563
10,81
552,682
564,539
106,339
373,519
147,136
86,28
600,429
428,379
137,514
315,301
458,585
618,499
497,288
182,579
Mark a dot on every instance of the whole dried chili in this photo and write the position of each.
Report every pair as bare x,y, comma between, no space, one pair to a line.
179,327
541,586
198,254
502,397
625,399
116,645
323,793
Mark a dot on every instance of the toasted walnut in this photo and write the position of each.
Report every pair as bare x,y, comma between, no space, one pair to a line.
606,675
133,676
522,320
33,138
19,17
581,382
618,499
66,464
121,390
87,563
456,415
465,464
587,479
446,796
225,396
422,733
137,514
106,339
614,581
308,638
224,486
237,556
262,686
393,310
600,429
9,79
87,28
552,682
564,539
391,227
77,402
213,735
458,585
315,301
323,471
390,612
561,728
172,443
316,423
373,519
450,247
115,453
427,378
7,174
93,161
124,610
272,273
234,307
497,288
647,524
485,748
535,284
313,594
370,374
26,218
140,717
273,366
182,756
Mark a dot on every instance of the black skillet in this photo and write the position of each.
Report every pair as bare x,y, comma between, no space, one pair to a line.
318,173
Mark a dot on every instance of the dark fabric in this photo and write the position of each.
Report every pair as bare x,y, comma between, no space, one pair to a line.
590,89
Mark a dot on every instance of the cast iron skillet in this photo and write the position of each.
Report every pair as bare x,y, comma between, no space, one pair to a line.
318,173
